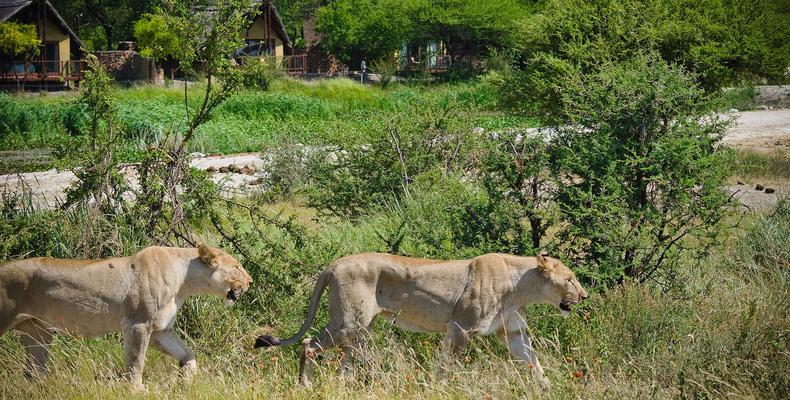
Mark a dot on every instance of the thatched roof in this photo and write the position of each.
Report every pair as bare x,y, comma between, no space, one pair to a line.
10,8
277,22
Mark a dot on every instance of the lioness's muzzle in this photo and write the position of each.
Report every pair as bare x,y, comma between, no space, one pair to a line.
565,305
234,294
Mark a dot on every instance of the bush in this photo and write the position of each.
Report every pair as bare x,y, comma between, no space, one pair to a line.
350,179
256,74
640,169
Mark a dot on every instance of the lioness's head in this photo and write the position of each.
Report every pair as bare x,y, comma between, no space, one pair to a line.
228,278
563,289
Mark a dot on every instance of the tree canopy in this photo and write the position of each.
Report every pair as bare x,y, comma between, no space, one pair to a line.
155,38
721,42
375,28
355,29
17,39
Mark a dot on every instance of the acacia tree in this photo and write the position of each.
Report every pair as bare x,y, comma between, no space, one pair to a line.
18,39
208,33
356,29
722,42
638,169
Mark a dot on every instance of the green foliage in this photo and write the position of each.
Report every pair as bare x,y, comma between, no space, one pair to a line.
373,29
723,42
741,98
387,68
515,174
256,74
103,22
467,22
154,38
348,179
17,39
362,29
98,178
640,169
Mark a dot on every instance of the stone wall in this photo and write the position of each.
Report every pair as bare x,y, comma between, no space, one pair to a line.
128,66
773,96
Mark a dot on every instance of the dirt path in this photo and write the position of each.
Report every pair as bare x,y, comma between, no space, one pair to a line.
764,131
48,188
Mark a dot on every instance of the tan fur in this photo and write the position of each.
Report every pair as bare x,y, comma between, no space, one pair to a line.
462,298
137,295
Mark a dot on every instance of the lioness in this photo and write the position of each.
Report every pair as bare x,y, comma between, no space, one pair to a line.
139,295
462,298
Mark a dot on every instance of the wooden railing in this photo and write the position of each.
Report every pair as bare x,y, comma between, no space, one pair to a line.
39,70
437,63
293,65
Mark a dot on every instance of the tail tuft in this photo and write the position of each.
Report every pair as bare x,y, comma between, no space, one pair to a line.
266,341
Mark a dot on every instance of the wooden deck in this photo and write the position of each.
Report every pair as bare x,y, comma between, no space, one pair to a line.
44,71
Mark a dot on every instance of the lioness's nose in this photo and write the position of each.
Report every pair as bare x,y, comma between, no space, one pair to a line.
585,295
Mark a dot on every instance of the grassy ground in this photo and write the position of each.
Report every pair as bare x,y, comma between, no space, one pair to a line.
247,122
723,333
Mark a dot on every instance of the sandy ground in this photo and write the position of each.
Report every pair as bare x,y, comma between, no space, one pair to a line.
765,131
48,188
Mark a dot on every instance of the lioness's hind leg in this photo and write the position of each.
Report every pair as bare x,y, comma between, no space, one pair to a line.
36,338
311,348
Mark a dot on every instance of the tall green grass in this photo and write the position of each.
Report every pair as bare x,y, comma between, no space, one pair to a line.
309,112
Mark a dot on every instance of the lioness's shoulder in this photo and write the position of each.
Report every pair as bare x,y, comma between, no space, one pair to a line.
493,262
158,255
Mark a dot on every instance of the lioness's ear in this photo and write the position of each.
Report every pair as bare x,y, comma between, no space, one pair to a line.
207,255
543,262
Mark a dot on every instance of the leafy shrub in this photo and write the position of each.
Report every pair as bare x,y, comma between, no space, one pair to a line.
740,98
639,169
515,174
349,179
256,74
387,68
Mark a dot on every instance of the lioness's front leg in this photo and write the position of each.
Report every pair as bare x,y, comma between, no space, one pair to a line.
135,345
520,347
168,342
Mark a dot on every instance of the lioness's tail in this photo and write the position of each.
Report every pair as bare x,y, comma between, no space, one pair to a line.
268,341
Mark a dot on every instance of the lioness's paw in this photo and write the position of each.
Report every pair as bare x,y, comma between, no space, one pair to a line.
188,370
544,383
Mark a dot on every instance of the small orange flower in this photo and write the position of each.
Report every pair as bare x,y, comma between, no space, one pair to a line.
530,366
467,360
275,358
578,374
409,377
488,396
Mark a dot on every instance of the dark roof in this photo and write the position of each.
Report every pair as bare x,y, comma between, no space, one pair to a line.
277,24
9,8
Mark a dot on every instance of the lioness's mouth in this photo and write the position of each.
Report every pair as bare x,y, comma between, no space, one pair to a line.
565,305
234,294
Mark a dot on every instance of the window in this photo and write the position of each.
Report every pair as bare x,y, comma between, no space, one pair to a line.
257,47
51,57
